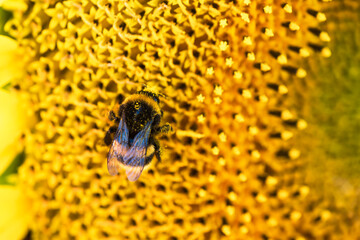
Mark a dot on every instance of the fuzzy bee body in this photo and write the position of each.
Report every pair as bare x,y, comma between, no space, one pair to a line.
134,144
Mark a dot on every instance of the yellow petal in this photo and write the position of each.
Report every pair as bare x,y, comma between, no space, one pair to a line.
15,217
8,67
12,123
13,5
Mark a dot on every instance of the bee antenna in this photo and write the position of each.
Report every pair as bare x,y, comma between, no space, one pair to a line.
162,95
143,86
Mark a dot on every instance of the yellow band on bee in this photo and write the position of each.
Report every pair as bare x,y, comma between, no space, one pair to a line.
148,100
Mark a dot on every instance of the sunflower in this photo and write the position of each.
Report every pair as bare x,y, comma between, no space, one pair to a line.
231,170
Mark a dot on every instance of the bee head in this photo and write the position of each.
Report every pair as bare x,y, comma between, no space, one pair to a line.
152,95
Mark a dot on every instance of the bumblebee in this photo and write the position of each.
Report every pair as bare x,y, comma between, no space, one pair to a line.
134,144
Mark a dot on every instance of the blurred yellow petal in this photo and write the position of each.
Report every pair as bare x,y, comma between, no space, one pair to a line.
13,5
8,68
12,123
15,215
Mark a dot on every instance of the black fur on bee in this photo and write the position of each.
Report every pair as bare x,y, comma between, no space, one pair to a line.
134,144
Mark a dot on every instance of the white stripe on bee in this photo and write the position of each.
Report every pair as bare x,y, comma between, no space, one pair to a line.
132,173
120,165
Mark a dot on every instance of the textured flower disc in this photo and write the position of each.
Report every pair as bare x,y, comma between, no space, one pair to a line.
226,67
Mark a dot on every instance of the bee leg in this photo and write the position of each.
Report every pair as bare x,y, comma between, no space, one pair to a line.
112,116
120,98
164,129
156,121
108,139
157,149
120,112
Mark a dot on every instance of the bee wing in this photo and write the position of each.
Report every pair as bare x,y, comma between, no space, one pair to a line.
134,159
119,147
